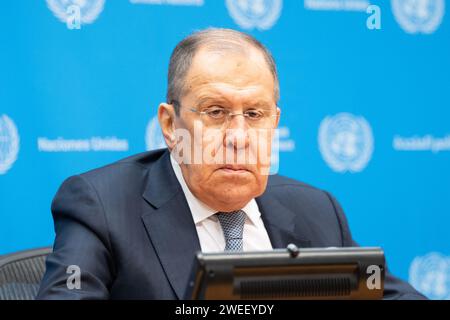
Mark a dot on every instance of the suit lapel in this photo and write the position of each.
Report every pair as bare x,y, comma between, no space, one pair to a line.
171,229
169,224
280,222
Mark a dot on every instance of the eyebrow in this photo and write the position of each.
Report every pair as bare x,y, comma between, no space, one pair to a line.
204,99
216,100
220,99
258,103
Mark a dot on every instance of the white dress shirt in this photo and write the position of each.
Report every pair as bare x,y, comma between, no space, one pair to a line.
208,227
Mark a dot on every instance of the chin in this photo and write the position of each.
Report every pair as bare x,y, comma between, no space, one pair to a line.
234,197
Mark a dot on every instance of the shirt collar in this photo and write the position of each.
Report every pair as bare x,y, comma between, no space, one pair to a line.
201,211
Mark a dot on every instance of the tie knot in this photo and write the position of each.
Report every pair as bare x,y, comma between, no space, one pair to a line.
233,228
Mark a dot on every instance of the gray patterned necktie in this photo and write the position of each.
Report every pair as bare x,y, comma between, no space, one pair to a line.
233,228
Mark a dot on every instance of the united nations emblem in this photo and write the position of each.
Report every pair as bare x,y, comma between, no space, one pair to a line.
9,143
154,138
345,142
89,9
250,14
419,16
430,275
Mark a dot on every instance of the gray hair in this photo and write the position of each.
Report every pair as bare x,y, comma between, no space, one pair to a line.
215,39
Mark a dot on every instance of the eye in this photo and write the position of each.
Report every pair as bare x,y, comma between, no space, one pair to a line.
216,112
254,114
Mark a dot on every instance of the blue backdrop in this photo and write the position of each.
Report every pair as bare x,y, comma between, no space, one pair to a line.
365,94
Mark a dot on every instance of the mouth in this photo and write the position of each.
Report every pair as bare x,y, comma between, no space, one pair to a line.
234,169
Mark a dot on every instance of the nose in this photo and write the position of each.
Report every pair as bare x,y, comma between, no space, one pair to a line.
236,134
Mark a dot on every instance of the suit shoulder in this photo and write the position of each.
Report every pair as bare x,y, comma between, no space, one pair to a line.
129,172
278,181
283,187
137,163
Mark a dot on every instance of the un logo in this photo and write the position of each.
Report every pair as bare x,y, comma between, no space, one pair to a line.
345,142
84,10
250,14
154,138
419,16
430,275
9,143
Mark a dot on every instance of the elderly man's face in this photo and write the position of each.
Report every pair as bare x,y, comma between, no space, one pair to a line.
236,82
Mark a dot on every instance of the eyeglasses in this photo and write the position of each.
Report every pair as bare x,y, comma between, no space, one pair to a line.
220,117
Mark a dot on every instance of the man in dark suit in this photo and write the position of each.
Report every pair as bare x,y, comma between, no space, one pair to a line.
132,228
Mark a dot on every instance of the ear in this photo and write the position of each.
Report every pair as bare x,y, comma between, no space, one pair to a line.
166,118
278,116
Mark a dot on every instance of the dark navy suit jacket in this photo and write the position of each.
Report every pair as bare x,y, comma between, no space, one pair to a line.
129,229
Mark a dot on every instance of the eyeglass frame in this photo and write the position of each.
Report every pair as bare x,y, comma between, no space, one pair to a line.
227,117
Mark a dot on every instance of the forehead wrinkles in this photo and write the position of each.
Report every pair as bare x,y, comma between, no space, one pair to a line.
229,93
235,68
238,73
